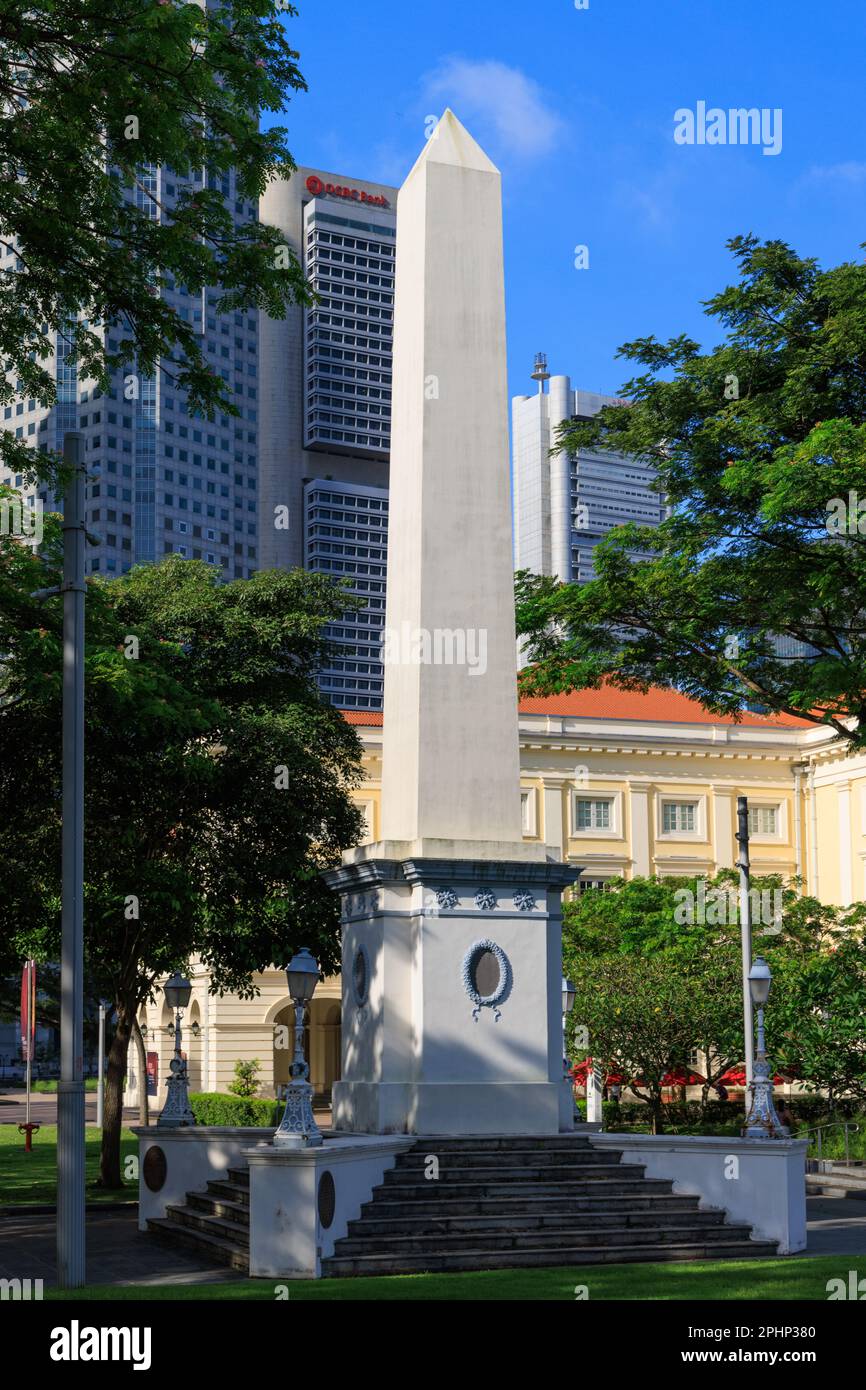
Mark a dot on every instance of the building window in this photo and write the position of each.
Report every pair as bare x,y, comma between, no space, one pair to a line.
527,810
679,817
592,815
763,820
593,885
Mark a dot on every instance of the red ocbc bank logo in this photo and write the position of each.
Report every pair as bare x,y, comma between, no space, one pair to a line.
317,188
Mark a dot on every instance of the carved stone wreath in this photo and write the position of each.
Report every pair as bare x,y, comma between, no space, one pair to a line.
524,902
361,976
446,898
485,900
503,989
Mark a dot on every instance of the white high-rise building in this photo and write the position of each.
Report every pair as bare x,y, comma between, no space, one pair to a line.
326,408
346,537
564,504
326,370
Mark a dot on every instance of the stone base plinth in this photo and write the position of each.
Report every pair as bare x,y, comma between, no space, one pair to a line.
452,995
453,1108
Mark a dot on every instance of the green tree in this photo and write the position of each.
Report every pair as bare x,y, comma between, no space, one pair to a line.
817,1013
217,781
646,947
93,94
760,446
640,1019
246,1083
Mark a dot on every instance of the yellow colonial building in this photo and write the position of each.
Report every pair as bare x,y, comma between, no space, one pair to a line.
624,784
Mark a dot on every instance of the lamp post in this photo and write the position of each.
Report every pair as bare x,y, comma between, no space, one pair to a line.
568,993
744,868
100,1065
762,1122
298,1129
70,1087
176,1113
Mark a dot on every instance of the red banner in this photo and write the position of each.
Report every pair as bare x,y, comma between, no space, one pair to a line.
28,1010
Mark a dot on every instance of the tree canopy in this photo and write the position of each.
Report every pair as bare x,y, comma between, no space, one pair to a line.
760,449
657,970
217,781
94,95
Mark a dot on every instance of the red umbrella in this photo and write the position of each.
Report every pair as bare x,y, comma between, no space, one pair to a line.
582,1070
736,1076
681,1078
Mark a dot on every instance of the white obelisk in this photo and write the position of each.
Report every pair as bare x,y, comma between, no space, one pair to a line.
452,934
450,766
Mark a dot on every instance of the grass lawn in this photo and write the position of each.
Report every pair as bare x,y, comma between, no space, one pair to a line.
727,1280
32,1177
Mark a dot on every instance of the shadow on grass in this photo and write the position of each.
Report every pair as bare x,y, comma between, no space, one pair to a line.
725,1280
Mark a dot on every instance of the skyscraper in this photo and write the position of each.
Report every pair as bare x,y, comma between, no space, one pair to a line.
326,409
566,503
161,481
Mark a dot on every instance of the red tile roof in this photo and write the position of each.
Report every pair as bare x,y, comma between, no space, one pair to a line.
657,705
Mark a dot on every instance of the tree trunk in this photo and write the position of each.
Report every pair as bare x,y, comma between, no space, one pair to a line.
110,1175
657,1113
143,1101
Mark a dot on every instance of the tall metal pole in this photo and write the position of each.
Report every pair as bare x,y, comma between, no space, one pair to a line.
746,933
70,1091
100,1074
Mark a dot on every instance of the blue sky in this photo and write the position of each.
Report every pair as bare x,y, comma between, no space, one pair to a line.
577,109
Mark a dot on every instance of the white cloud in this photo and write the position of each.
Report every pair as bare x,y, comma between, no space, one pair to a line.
511,106
849,172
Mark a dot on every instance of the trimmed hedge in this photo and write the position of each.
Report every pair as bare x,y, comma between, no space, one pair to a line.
211,1108
720,1116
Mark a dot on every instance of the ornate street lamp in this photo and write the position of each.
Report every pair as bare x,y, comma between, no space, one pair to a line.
298,1129
762,1122
176,1112
568,993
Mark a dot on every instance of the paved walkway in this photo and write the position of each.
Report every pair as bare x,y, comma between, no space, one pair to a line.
43,1109
118,1253
836,1226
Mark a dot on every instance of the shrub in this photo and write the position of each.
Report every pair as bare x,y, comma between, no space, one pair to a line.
212,1108
246,1082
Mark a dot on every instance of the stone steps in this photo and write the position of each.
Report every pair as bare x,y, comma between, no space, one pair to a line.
444,1222
216,1248
607,1188
500,1203
507,1159
524,1204
552,1239
530,1174
215,1222
837,1182
512,1202
482,1258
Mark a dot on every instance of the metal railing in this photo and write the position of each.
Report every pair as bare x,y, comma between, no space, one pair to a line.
846,1125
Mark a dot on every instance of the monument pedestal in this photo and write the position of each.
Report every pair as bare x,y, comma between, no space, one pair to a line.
452,983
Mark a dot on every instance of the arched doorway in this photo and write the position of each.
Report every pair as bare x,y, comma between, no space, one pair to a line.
284,1045
322,1045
